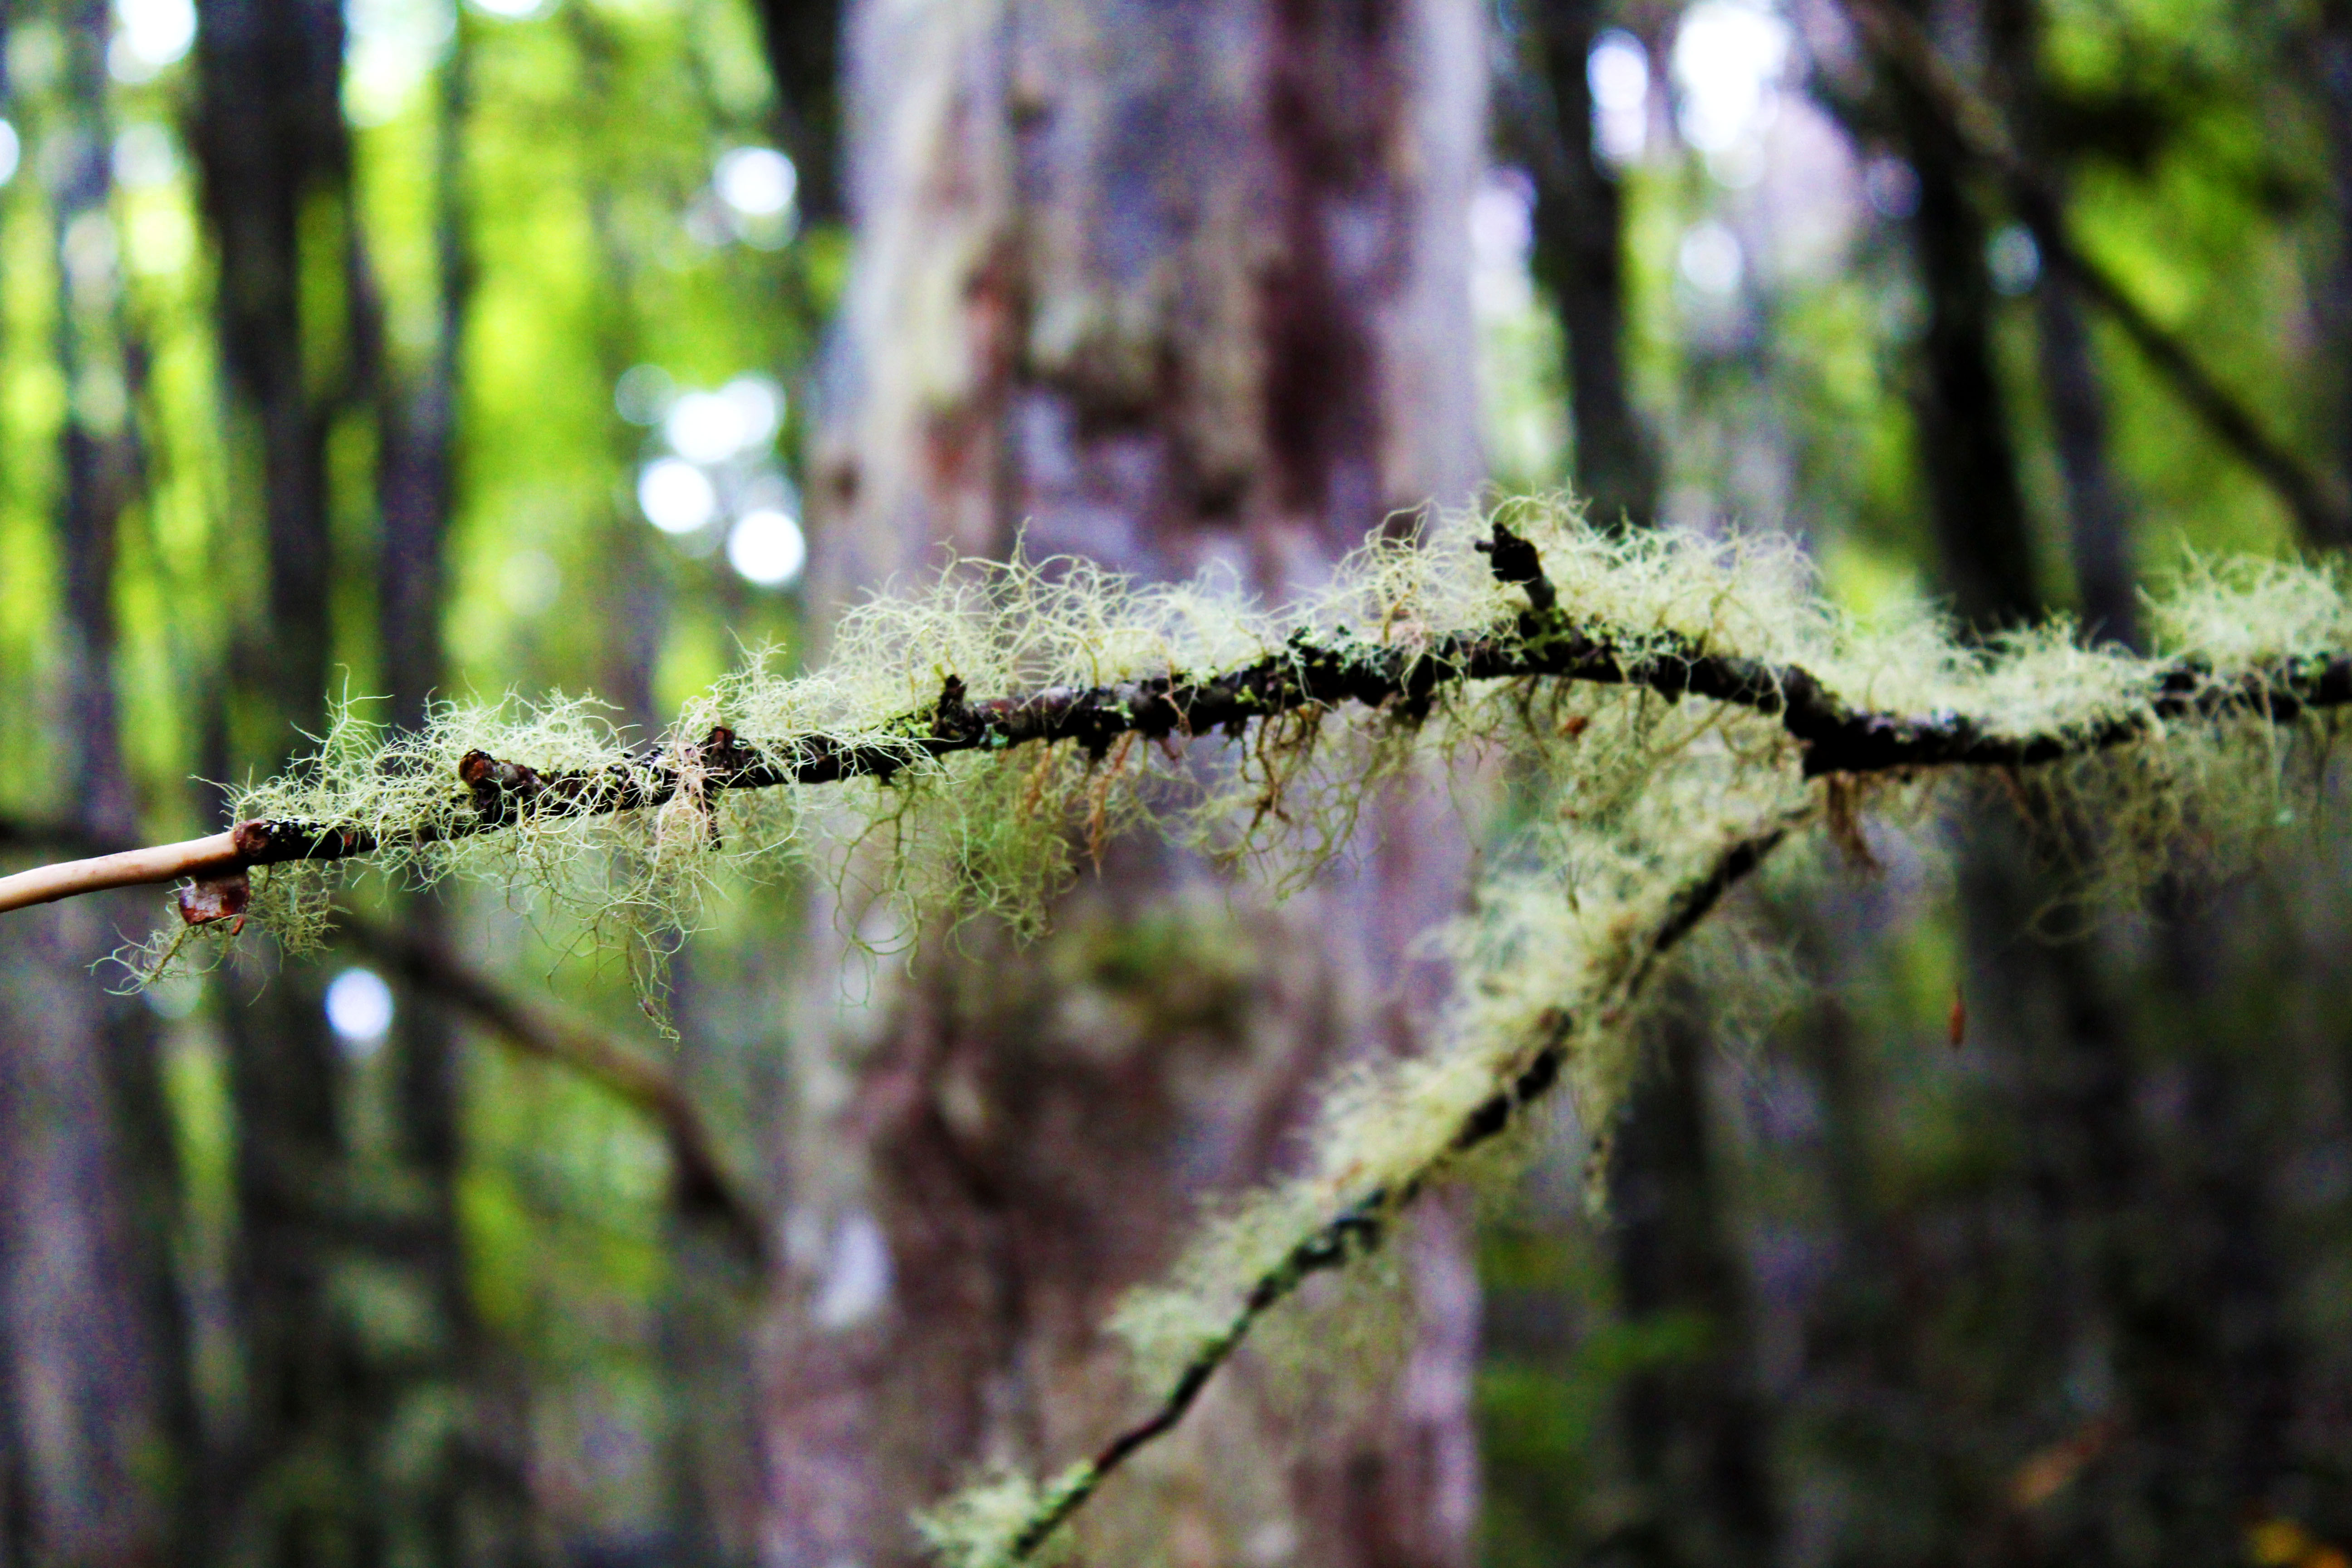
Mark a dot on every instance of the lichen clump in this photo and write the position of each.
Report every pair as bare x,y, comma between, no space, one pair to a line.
1639,805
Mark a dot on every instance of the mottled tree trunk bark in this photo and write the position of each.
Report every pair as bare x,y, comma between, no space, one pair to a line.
1172,287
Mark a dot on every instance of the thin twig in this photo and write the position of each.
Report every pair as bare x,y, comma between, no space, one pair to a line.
1546,642
703,1188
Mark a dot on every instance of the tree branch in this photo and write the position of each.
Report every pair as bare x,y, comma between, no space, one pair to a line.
702,1187
1904,46
1546,642
1359,1225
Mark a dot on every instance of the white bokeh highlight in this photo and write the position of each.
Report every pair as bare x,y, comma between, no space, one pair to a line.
1618,71
767,548
757,181
675,496
1711,260
149,34
359,1009
1727,60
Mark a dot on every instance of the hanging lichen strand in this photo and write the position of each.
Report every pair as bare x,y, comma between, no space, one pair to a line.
1675,709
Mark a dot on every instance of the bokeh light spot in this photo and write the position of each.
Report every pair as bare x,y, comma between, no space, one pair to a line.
766,546
758,182
677,497
359,1009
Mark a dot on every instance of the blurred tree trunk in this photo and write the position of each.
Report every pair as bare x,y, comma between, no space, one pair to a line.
2138,1259
1694,1433
96,1344
2098,531
1172,288
1693,1428
269,138
1579,247
468,1502
803,40
1966,451
2332,58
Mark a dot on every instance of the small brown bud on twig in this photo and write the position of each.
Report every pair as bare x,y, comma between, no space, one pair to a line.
210,898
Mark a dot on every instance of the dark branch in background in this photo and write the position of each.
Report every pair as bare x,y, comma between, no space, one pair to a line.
703,1189
1546,642
1904,48
1360,1226
701,1186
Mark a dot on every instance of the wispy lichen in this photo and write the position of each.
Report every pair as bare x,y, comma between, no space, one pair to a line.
1670,704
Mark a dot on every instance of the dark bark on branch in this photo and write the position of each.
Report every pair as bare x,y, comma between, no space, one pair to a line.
1546,643
1360,1226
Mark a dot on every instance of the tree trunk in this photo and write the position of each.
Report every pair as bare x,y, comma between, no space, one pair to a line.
1580,243
1170,288
2097,528
803,40
87,1376
270,143
1695,1434
1693,1427
97,1362
2333,60
1967,456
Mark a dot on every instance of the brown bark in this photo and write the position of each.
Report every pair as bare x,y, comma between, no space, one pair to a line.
1171,288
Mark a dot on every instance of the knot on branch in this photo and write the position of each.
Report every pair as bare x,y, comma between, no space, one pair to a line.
1515,560
499,787
723,758
951,716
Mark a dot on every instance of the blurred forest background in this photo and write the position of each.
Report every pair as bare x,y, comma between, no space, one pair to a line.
409,347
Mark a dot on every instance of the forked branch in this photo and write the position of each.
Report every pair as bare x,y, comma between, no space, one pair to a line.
1358,1225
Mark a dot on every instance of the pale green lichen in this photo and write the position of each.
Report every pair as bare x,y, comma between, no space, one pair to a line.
982,1526
1002,834
1631,796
